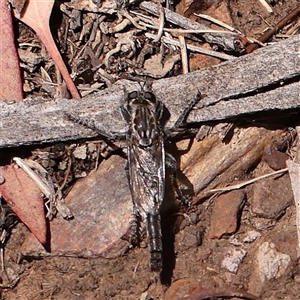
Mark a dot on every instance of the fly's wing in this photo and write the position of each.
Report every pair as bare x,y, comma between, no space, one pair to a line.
146,176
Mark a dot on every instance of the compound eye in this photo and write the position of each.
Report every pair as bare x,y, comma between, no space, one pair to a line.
133,95
150,96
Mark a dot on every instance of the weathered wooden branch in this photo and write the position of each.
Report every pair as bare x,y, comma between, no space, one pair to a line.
264,80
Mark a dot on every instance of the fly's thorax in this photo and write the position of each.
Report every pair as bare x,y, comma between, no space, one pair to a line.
142,111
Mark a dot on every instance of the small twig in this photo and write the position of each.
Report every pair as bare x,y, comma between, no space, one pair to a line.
204,31
273,30
199,31
266,5
125,14
11,285
230,43
244,183
143,17
46,187
60,188
184,55
135,268
194,48
218,22
161,23
120,26
37,180
294,29
2,258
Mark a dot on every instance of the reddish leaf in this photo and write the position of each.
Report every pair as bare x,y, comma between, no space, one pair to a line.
10,76
24,197
36,15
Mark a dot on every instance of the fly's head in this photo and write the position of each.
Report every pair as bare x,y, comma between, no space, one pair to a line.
143,112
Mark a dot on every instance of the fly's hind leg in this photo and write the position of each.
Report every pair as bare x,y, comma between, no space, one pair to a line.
171,166
135,231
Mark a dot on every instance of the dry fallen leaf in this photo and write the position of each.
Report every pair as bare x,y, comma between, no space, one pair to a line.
10,76
25,199
37,15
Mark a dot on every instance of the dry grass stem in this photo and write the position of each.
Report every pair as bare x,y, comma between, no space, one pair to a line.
245,183
229,43
45,185
161,24
193,48
184,55
218,22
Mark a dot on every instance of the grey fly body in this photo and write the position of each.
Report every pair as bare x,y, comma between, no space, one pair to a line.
146,165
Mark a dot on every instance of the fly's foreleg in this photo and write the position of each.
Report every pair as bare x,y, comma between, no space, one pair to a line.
155,241
95,127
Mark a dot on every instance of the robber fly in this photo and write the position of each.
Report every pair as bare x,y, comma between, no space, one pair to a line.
146,164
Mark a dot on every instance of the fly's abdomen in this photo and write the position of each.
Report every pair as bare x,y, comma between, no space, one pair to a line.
155,241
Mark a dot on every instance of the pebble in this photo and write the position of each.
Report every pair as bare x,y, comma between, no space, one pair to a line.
224,219
251,236
277,191
232,259
80,152
271,263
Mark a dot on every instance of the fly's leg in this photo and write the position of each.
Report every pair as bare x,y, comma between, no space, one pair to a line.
91,125
155,241
171,165
173,132
182,117
134,234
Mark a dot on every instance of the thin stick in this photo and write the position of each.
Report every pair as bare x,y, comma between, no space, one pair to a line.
186,23
193,48
125,14
218,22
161,23
273,30
266,6
42,186
69,164
203,31
184,55
242,184
293,29
142,16
47,190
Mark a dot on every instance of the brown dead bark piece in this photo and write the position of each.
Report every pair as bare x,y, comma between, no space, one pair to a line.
212,163
245,85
